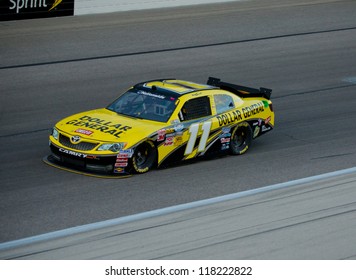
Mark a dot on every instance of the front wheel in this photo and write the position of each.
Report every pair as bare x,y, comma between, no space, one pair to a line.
144,157
241,139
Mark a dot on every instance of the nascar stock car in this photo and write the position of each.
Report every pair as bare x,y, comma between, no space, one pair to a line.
161,121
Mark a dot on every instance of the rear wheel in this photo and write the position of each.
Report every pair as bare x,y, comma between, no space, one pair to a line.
241,139
144,157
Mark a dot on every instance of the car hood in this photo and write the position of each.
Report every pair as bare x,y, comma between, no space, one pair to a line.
106,126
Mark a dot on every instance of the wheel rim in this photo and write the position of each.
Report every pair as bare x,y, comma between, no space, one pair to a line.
141,157
144,158
239,138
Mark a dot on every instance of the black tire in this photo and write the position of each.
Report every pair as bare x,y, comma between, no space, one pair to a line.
144,158
241,139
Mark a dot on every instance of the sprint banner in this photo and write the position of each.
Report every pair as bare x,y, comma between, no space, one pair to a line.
26,9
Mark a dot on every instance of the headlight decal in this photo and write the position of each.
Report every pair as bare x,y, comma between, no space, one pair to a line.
55,133
114,147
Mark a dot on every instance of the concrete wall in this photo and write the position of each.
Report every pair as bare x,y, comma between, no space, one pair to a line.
107,6
27,9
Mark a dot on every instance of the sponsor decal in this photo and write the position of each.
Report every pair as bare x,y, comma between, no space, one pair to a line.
178,140
225,146
253,109
102,125
224,135
121,156
229,117
151,94
169,141
55,4
72,153
161,134
259,122
121,164
92,157
225,140
84,131
171,135
19,5
268,120
119,170
265,128
122,160
265,103
178,127
256,131
26,9
125,153
170,130
128,151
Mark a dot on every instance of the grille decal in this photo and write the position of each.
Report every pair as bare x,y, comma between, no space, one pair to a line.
81,146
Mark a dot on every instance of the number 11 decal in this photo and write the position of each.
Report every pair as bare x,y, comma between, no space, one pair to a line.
193,131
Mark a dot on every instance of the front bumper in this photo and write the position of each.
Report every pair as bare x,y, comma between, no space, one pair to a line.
107,164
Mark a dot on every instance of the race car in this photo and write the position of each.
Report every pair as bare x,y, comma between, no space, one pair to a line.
162,121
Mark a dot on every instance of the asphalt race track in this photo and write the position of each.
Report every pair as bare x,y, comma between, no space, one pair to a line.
304,50
309,218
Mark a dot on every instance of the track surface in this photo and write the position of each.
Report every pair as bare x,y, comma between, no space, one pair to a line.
311,218
304,51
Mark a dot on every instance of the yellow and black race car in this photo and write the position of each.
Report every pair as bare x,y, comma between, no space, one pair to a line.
161,121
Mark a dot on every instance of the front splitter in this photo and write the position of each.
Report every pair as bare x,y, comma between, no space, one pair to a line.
49,160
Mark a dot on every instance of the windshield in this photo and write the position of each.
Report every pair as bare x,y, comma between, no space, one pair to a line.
144,104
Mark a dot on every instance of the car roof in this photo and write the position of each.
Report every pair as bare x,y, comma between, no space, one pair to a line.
177,88
173,87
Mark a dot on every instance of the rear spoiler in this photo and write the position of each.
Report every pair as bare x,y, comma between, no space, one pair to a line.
241,91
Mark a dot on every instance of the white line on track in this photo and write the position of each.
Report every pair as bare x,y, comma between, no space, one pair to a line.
167,210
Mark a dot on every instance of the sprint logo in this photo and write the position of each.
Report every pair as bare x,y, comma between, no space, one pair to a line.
18,5
55,4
